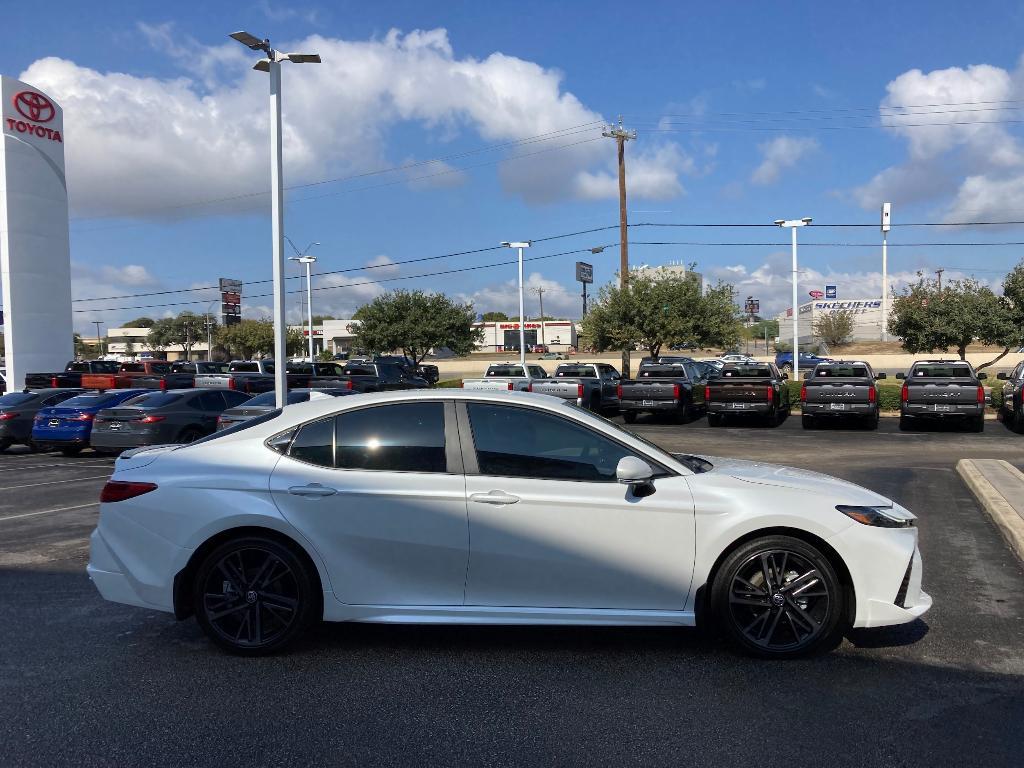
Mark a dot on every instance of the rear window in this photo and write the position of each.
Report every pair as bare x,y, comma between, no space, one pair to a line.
575,371
88,400
329,369
16,398
239,427
155,400
267,399
505,370
939,371
133,367
841,371
661,371
747,372
304,368
360,370
244,368
212,368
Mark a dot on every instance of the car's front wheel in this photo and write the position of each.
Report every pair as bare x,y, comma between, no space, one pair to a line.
254,595
778,597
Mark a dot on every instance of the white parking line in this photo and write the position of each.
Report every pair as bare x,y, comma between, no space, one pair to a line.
55,482
49,511
65,465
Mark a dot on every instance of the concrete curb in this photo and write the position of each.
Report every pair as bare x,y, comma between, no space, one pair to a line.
999,509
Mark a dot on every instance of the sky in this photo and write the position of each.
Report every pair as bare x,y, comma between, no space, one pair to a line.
435,131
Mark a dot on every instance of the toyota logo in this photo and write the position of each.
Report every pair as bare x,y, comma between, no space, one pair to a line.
34,106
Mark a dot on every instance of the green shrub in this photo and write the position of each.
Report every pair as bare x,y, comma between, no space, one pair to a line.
449,383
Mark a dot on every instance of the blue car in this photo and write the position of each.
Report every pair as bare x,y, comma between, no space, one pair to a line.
784,360
66,427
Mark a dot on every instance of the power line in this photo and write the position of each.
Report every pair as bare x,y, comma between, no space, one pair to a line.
871,108
703,128
776,244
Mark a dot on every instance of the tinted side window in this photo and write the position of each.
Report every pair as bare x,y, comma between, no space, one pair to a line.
211,401
237,398
406,437
60,397
314,443
516,442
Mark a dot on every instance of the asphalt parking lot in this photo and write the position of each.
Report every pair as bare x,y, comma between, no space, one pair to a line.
85,682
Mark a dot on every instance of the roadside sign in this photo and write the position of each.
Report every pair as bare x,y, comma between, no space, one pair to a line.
816,294
831,292
584,272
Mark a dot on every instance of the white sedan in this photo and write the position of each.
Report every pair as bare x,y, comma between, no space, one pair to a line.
449,506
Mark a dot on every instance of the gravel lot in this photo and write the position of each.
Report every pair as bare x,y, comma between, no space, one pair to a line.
85,682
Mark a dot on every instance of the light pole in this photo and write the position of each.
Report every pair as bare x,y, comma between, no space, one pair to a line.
792,225
886,210
209,334
99,340
309,261
272,64
522,303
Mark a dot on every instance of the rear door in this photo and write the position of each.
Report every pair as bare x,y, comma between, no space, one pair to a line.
379,492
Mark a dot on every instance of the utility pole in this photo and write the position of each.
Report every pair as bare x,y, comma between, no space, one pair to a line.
886,224
621,136
939,273
99,340
539,290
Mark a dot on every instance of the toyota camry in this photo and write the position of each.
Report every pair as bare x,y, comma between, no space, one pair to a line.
493,508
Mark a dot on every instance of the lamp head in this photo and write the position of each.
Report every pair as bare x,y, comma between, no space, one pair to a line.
779,222
806,219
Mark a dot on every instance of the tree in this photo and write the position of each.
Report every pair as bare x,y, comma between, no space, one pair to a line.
129,347
834,328
184,330
416,322
662,309
494,317
319,319
140,322
247,338
929,319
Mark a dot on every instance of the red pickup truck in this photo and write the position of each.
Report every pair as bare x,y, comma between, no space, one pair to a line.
151,374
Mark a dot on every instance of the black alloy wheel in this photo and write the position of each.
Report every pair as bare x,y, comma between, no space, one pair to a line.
189,435
778,597
253,596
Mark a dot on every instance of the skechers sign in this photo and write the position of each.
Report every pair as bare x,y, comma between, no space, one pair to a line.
36,109
856,307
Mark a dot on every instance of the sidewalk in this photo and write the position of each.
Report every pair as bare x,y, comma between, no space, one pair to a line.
999,488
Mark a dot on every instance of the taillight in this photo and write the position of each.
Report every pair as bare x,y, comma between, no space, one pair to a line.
803,393
84,417
349,385
529,387
872,394
981,395
510,386
53,381
579,391
618,391
151,419
8,415
116,490
771,393
163,386
220,420
231,383
904,394
675,391
707,392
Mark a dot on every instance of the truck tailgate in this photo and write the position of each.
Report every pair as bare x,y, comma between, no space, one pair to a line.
649,390
567,389
494,384
740,390
838,391
939,391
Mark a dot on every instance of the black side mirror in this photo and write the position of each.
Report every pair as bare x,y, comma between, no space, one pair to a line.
901,375
1002,376
879,376
982,376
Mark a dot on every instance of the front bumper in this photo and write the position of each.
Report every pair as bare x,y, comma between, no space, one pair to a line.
927,410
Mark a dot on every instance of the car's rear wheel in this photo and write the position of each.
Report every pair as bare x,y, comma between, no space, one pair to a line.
189,435
778,597
5,444
871,422
253,596
629,417
1018,419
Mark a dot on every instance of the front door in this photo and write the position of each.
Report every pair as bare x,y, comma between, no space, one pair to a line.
379,492
550,527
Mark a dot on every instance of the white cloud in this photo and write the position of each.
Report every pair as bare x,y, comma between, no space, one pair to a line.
96,281
651,173
780,154
139,146
560,301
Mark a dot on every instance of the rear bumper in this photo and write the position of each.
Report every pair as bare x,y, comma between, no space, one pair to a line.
126,440
50,441
8,432
956,411
650,405
760,409
850,409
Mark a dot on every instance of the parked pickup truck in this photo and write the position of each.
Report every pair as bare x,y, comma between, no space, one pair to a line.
840,389
71,376
251,376
673,389
373,377
507,376
1013,398
748,389
590,385
942,389
150,374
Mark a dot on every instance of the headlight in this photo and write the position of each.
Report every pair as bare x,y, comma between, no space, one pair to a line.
880,517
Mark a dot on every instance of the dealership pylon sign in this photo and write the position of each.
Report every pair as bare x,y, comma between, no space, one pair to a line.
35,258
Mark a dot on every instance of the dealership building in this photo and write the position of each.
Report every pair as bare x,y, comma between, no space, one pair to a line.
867,318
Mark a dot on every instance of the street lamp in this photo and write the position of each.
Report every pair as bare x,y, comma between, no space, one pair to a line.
522,303
886,211
272,64
209,333
792,225
308,261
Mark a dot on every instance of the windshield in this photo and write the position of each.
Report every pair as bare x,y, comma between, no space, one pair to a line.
16,398
155,400
942,371
239,427
329,369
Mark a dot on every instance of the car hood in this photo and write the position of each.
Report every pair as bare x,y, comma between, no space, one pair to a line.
841,491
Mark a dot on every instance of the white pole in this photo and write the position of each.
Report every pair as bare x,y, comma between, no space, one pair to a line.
885,287
277,229
522,315
796,315
309,305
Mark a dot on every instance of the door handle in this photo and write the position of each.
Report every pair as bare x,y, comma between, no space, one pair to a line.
494,497
313,490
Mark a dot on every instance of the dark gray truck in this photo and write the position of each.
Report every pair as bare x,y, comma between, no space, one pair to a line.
674,389
71,376
942,390
841,389
594,386
1013,398
747,390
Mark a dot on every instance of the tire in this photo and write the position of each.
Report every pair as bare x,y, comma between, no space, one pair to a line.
715,420
787,368
773,620
595,404
808,422
904,424
253,596
71,450
1018,419
5,444
871,422
189,435
977,423
629,417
